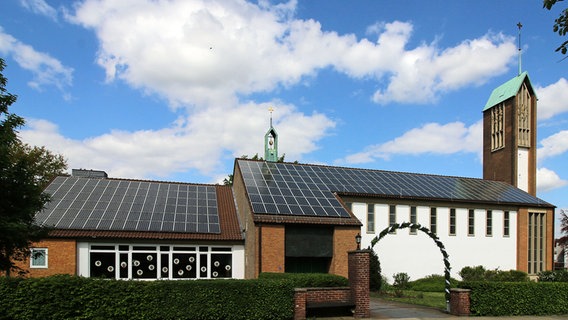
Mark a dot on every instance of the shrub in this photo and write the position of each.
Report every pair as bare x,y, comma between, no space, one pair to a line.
476,273
401,280
432,283
69,297
307,280
375,278
517,298
553,276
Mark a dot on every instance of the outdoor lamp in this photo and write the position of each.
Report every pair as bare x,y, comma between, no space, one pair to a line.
358,240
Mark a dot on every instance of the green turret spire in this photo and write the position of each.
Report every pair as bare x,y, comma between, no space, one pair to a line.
271,142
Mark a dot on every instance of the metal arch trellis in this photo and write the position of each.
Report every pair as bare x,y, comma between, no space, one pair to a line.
439,243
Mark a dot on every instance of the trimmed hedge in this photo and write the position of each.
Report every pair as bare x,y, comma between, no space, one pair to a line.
515,299
432,283
308,280
70,297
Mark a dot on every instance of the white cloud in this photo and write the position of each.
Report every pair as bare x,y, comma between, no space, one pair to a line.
432,138
553,145
40,7
552,99
547,180
203,53
197,142
46,69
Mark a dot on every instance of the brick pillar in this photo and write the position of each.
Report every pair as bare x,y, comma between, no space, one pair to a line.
459,302
358,263
300,296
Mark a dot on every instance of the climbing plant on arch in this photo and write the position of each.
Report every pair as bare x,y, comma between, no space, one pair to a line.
434,237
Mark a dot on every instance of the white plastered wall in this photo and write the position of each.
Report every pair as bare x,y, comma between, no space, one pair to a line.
523,169
419,256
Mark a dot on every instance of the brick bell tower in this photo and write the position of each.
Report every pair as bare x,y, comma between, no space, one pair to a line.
509,133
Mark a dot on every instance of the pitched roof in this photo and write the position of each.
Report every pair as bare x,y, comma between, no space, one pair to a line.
299,190
507,90
88,206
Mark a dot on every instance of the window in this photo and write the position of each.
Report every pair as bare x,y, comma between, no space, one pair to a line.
38,258
159,262
506,231
524,117
452,222
433,220
489,223
371,218
413,219
497,127
537,245
471,222
392,216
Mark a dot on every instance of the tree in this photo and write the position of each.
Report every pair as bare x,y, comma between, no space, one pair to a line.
560,24
563,227
24,173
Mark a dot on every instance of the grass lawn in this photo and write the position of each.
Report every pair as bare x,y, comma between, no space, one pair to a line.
430,299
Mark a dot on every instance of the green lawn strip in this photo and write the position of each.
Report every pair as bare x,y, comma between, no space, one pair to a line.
430,299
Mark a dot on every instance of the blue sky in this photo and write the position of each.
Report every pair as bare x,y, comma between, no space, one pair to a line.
175,90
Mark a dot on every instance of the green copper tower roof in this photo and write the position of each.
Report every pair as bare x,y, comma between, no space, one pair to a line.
507,90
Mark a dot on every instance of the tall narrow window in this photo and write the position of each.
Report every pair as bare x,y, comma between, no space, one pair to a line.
371,218
433,220
452,222
536,250
471,222
506,230
392,216
413,219
524,116
38,258
497,127
489,223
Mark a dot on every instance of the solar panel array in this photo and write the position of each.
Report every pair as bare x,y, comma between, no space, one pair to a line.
124,205
293,189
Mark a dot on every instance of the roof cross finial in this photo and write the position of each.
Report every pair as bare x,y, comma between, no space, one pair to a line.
270,109
520,25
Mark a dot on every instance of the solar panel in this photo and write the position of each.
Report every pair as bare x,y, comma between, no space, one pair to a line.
293,189
124,205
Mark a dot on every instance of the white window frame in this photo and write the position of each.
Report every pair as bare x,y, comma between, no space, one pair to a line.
33,252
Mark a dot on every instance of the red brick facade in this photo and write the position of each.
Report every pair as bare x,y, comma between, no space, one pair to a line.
61,258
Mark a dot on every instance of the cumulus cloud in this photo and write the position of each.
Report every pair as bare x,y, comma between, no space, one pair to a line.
46,70
40,7
553,145
197,142
547,180
552,99
432,138
200,53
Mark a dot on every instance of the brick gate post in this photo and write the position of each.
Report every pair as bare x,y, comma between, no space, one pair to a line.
358,263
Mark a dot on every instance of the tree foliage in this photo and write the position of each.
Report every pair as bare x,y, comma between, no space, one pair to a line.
24,173
560,24
563,227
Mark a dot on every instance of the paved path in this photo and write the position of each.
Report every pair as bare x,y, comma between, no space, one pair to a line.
383,309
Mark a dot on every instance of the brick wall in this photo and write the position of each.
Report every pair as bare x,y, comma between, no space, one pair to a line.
459,302
272,239
343,242
61,258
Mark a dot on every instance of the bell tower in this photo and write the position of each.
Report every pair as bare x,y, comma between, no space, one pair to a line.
271,142
509,133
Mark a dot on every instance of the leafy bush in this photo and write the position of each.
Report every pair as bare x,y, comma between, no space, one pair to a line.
401,280
517,298
432,283
69,297
476,273
375,278
307,280
479,273
553,276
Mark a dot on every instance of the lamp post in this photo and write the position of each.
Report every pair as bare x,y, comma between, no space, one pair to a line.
358,241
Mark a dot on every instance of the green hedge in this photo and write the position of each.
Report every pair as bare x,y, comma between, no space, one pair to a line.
432,283
308,280
515,299
69,297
